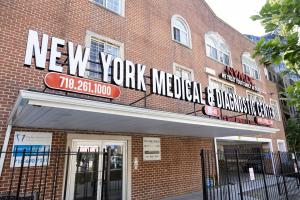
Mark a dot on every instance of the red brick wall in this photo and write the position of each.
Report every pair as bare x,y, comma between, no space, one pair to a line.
146,33
46,180
178,171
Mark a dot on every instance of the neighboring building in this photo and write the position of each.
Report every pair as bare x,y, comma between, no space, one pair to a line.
147,117
276,73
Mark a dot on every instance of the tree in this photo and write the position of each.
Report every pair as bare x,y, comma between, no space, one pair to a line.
282,17
293,134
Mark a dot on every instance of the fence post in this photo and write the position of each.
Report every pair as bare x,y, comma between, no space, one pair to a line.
21,174
239,175
227,175
205,194
108,173
296,161
67,173
264,175
283,177
103,186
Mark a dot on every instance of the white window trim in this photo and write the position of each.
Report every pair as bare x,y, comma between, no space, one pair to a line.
122,13
221,81
90,34
278,110
251,67
281,141
184,68
174,17
249,92
218,50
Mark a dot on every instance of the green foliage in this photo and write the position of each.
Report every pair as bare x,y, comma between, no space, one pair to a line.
294,94
292,130
283,18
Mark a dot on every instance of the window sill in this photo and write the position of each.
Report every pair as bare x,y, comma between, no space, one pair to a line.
189,47
101,6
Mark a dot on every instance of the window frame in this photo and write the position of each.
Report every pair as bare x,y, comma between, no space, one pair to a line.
186,25
88,41
218,41
254,94
122,7
251,68
283,142
278,110
211,78
175,65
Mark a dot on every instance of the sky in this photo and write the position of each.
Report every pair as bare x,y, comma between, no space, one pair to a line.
237,13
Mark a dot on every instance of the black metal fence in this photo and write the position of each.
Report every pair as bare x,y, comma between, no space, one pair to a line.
34,173
248,176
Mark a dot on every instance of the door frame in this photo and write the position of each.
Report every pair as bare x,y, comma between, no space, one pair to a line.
92,137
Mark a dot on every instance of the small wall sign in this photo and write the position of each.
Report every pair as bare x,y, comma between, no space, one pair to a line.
239,78
151,148
211,111
251,173
263,121
36,143
80,85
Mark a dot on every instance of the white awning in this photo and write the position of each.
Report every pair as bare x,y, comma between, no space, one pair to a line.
41,110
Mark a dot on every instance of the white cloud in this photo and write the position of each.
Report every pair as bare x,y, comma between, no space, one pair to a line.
237,13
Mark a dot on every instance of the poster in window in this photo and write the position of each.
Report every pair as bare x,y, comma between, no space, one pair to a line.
35,146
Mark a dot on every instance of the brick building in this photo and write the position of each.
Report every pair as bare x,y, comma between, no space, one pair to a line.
155,139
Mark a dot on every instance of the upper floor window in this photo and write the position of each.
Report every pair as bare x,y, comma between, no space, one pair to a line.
255,97
183,72
112,5
99,44
180,31
218,84
274,105
216,48
249,66
281,146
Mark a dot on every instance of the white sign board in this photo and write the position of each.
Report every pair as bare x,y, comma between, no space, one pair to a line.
151,148
251,172
36,145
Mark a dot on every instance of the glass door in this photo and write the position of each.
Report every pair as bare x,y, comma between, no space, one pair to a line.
113,173
97,170
86,171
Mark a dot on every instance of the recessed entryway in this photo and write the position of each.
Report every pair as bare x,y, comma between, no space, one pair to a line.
98,167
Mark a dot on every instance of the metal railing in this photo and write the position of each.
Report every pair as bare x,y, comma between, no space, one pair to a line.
255,175
35,173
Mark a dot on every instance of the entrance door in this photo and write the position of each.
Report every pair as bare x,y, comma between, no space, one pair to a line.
97,170
113,171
